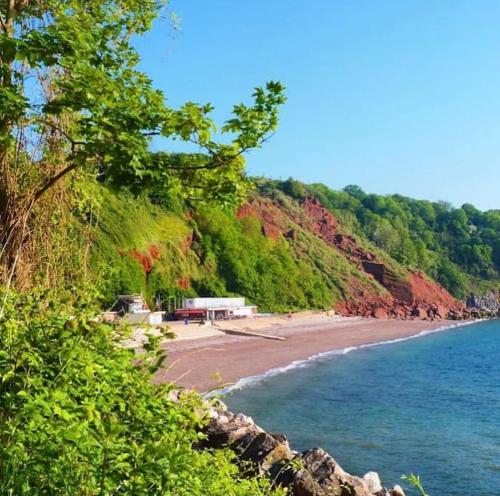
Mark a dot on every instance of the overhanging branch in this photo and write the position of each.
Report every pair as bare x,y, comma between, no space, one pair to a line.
52,181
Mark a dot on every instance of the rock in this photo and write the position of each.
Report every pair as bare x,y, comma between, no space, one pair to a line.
441,311
380,313
226,428
263,449
321,475
372,480
396,491
489,302
316,473
248,440
419,313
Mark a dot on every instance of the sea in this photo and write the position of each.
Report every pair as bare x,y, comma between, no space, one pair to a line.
428,405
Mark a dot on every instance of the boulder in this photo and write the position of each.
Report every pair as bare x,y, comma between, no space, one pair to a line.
312,473
373,483
419,313
380,313
225,428
396,491
321,475
248,440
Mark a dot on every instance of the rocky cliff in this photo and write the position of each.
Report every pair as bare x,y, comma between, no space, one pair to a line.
311,473
486,305
397,293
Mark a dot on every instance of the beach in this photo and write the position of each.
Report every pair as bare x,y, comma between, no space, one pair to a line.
209,359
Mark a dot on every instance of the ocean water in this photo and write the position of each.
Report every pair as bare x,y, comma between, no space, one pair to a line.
429,405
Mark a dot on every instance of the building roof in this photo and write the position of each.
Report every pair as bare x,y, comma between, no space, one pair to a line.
131,298
127,300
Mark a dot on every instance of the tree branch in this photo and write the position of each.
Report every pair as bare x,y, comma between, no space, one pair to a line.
64,133
52,181
10,16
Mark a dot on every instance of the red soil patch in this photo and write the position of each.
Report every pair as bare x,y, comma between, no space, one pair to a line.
183,283
417,297
146,258
154,252
143,258
270,216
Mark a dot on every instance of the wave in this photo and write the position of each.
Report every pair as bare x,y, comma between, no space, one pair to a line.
297,364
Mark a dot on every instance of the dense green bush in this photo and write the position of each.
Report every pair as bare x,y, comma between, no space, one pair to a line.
77,418
238,259
129,226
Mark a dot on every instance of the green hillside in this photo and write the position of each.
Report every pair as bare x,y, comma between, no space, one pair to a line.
165,251
458,247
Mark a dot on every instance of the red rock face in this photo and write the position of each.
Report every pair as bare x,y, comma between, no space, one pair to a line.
324,223
416,297
246,210
146,258
271,218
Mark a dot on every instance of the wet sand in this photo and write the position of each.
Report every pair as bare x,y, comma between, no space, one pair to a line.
218,361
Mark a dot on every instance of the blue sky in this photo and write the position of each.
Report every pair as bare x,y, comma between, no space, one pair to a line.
395,96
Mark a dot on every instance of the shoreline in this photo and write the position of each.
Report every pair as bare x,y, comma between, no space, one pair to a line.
221,362
254,379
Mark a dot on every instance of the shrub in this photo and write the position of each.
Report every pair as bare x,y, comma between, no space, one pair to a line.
78,418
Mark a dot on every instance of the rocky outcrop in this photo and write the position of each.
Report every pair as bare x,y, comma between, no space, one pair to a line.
487,305
410,295
413,296
311,473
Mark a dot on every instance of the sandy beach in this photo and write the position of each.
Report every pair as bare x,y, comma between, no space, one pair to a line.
205,358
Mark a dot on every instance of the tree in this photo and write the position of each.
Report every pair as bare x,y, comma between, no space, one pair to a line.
375,203
294,188
72,99
355,191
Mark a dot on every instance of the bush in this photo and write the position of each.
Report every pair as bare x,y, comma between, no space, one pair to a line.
78,418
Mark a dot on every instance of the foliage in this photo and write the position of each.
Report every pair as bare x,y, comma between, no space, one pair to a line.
139,247
415,481
293,188
459,247
73,99
217,252
78,418
237,258
220,254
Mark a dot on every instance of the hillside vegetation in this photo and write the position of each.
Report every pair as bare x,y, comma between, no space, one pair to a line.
283,251
88,211
458,247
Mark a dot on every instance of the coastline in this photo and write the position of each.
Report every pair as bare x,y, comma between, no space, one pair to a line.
221,362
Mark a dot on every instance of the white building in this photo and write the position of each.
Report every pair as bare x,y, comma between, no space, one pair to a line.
214,309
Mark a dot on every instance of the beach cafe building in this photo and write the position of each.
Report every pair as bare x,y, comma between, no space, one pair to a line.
214,309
